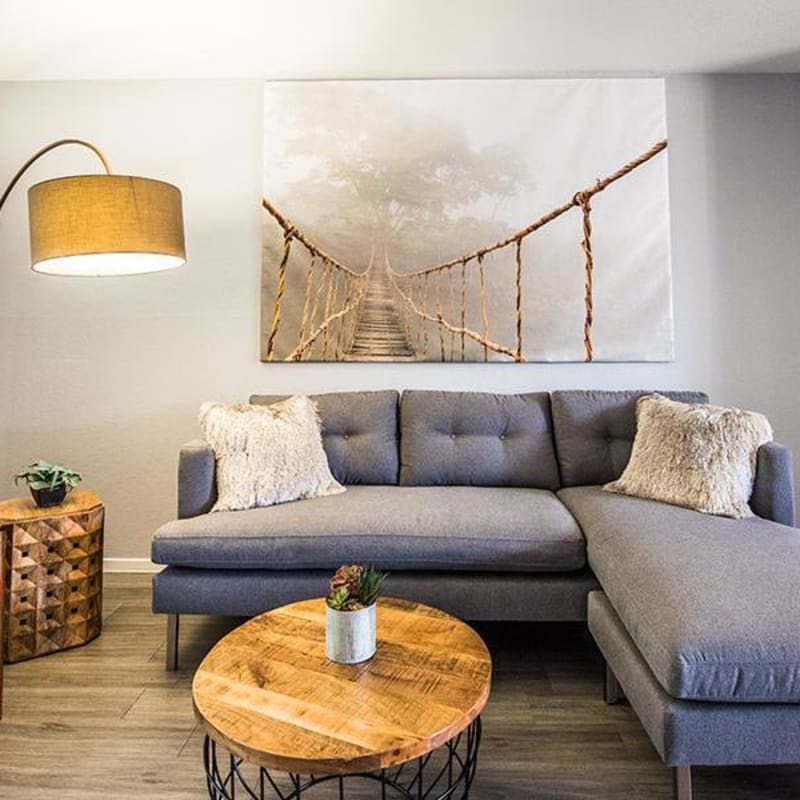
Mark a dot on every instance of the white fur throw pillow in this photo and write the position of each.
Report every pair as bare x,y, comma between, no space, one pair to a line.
267,454
698,456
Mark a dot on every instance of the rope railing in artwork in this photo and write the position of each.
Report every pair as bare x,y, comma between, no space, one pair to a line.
332,294
444,325
406,283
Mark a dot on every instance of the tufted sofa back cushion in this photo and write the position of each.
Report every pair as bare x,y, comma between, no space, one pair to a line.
594,432
477,439
359,434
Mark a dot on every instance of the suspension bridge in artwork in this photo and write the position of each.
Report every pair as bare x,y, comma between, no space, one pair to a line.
379,314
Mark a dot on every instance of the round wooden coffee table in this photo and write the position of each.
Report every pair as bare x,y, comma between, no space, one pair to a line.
289,719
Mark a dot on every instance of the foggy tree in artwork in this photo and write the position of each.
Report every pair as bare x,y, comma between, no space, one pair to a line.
388,182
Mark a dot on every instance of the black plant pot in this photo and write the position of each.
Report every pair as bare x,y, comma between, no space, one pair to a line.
44,498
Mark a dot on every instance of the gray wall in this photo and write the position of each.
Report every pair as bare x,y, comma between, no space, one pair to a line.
753,167
107,375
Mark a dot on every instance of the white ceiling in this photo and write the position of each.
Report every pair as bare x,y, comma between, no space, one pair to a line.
97,39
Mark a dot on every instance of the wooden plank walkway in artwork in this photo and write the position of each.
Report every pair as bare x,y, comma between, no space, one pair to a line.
378,334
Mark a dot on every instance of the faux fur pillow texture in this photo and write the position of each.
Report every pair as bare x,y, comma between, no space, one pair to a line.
267,454
698,456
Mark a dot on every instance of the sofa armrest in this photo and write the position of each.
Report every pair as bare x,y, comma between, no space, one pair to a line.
197,485
773,490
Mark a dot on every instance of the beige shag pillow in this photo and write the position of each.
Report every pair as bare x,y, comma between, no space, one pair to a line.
267,454
698,456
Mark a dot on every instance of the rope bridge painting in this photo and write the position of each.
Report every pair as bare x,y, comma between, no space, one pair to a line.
366,207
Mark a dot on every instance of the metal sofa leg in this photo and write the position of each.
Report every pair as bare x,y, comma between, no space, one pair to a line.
613,691
682,783
172,641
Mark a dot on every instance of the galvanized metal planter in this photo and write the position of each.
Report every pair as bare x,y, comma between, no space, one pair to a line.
350,636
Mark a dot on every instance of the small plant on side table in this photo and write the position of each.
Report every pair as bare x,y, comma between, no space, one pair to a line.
49,483
350,620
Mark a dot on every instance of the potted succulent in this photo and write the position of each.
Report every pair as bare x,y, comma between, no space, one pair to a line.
49,483
350,633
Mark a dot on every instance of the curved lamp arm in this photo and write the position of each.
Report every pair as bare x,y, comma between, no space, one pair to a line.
46,149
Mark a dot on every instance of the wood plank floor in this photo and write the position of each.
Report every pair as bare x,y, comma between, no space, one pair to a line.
105,721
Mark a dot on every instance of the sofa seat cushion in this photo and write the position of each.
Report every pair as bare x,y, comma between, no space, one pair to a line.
712,603
393,527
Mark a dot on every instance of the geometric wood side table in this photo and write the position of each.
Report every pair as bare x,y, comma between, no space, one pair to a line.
53,574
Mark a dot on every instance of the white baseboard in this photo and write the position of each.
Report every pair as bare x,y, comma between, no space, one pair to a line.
131,565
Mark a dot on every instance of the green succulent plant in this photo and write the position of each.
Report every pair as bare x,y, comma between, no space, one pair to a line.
339,598
370,585
354,587
43,475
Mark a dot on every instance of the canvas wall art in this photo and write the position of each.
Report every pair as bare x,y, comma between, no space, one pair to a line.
479,220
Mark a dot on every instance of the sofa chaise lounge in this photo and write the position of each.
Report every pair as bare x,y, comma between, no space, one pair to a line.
491,507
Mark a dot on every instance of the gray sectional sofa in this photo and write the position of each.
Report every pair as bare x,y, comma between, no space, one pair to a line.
490,507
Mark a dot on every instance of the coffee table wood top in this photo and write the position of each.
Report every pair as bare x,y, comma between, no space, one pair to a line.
266,692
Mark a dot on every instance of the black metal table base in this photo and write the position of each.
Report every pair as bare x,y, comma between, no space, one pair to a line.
443,774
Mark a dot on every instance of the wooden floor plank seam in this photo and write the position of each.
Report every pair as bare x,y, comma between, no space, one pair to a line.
130,707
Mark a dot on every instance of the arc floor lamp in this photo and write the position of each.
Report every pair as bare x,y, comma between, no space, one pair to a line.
101,225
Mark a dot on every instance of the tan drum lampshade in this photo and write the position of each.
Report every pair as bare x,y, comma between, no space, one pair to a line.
92,225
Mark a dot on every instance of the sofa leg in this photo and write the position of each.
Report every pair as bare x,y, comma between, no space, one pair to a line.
172,641
682,783
613,691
